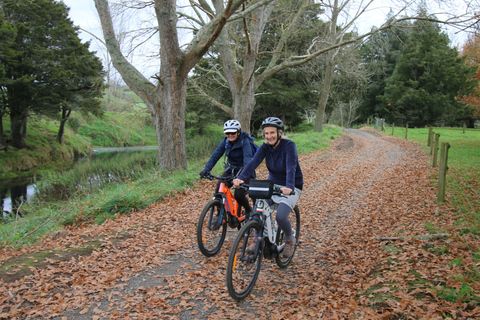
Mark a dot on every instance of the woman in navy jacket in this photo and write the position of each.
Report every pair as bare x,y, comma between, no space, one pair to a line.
236,146
284,170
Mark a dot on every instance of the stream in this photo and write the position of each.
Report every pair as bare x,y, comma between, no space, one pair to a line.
13,192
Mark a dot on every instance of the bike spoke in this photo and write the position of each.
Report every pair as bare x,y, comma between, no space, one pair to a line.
211,234
243,266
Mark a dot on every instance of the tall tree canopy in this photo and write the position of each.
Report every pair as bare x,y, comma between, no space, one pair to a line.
45,67
471,52
380,54
427,79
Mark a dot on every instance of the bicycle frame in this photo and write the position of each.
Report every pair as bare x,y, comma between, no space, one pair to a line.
229,202
262,233
230,205
266,210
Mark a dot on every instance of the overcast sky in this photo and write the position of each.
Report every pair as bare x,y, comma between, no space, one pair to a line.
84,15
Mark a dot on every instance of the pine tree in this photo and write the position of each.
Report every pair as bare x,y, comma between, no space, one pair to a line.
427,79
46,68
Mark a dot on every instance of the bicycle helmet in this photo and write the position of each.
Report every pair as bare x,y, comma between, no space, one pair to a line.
273,122
231,126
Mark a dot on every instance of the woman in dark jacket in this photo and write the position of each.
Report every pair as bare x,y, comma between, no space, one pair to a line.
281,158
236,146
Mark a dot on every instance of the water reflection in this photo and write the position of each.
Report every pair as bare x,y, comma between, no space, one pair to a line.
12,192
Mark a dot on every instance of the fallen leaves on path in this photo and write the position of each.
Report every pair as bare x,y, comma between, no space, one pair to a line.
146,265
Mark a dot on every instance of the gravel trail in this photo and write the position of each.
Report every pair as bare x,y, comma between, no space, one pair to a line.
147,265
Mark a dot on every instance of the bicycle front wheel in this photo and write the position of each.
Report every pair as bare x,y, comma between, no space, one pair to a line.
210,233
294,218
243,266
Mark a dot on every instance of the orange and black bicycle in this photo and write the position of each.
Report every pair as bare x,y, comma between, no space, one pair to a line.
223,210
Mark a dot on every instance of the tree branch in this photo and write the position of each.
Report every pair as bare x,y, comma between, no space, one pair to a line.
132,77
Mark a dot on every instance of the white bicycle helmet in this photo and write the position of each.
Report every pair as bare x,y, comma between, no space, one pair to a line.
231,126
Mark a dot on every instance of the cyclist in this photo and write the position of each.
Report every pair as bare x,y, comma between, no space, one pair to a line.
236,146
281,158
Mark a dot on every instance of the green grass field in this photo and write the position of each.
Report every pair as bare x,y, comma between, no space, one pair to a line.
463,167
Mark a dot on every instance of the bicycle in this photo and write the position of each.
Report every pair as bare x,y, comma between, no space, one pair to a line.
211,234
243,267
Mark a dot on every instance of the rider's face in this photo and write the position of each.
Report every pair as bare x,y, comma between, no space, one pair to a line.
232,136
271,135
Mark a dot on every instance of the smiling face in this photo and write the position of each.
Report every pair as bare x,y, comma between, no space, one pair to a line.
232,136
271,135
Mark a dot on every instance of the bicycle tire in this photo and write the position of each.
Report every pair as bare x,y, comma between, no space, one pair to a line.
294,218
210,239
243,269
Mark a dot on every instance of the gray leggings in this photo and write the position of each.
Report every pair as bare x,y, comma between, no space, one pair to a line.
282,220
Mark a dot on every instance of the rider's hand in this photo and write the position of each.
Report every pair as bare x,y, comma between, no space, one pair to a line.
286,191
237,182
203,174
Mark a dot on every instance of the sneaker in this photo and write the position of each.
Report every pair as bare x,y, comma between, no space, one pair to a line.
289,248
252,246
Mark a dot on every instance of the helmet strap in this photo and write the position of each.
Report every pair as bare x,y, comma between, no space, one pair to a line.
278,139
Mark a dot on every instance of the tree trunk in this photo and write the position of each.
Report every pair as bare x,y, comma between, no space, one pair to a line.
61,129
329,69
3,143
170,119
241,79
24,127
167,99
325,91
18,118
243,105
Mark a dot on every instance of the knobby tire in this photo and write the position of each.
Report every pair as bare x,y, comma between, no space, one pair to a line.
242,268
210,241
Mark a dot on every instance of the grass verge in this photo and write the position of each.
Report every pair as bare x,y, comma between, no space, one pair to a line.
94,203
463,195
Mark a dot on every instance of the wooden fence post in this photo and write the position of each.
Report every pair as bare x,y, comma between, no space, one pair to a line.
442,172
464,127
432,137
406,131
435,149
393,127
429,138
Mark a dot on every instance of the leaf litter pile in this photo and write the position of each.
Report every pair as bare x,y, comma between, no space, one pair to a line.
375,245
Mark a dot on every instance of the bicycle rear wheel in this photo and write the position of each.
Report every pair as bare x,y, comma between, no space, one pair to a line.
243,268
210,236
294,218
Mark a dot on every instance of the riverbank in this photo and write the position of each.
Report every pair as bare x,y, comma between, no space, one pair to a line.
82,134
94,204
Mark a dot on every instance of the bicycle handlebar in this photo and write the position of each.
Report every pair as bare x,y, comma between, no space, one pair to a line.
210,176
276,189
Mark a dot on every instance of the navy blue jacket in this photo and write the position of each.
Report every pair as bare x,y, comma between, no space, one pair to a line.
282,164
238,154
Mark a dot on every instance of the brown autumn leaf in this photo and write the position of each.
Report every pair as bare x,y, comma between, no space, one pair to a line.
364,187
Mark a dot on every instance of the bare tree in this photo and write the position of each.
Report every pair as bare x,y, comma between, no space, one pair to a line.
240,54
166,99
345,113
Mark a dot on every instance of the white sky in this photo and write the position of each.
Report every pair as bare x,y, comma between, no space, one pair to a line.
84,15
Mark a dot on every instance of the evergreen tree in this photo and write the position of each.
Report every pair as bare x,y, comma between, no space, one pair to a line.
381,53
7,35
427,78
46,68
